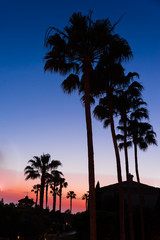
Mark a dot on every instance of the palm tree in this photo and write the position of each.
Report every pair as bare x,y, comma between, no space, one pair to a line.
36,189
63,184
71,195
126,101
55,192
86,198
77,49
54,183
39,168
142,135
113,79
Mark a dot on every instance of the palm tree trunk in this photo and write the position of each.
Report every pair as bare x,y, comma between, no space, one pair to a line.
86,204
54,202
60,197
54,198
119,175
42,191
128,183
71,204
139,193
36,197
46,195
39,196
92,203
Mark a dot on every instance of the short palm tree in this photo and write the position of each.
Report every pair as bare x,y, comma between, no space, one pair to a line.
71,195
54,191
76,50
55,177
63,184
36,188
39,168
86,198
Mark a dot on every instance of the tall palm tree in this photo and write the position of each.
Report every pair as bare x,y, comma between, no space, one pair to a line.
142,135
36,189
86,198
39,168
127,100
71,195
63,184
112,74
77,49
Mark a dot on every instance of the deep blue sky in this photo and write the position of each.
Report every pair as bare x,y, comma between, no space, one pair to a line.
36,116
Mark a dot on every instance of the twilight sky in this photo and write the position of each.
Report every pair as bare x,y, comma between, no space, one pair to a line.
36,117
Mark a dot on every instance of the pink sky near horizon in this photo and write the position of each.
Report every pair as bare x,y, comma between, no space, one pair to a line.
14,187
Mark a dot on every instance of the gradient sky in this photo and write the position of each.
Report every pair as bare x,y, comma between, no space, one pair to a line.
36,117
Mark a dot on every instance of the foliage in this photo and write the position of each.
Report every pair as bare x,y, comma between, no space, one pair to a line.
39,167
27,223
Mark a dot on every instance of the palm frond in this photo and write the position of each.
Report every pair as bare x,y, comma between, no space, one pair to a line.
92,101
70,84
54,164
100,113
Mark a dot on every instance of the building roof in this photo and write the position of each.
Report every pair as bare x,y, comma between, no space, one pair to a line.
144,187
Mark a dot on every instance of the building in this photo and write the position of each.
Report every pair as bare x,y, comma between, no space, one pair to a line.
107,197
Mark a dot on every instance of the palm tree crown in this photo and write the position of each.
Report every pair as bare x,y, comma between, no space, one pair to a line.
71,195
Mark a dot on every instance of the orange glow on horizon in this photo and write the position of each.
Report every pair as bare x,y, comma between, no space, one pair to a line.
14,187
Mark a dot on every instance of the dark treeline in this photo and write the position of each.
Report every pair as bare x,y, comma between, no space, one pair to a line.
34,223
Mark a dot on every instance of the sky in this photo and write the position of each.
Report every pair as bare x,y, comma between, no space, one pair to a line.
36,117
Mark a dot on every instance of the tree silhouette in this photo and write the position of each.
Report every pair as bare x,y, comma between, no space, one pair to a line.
74,50
86,198
63,184
36,188
54,183
39,168
113,79
127,100
142,136
71,195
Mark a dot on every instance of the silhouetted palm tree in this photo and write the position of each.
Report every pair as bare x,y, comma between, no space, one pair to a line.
36,188
113,78
54,183
63,184
86,198
55,192
39,168
127,100
141,134
77,49
71,195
